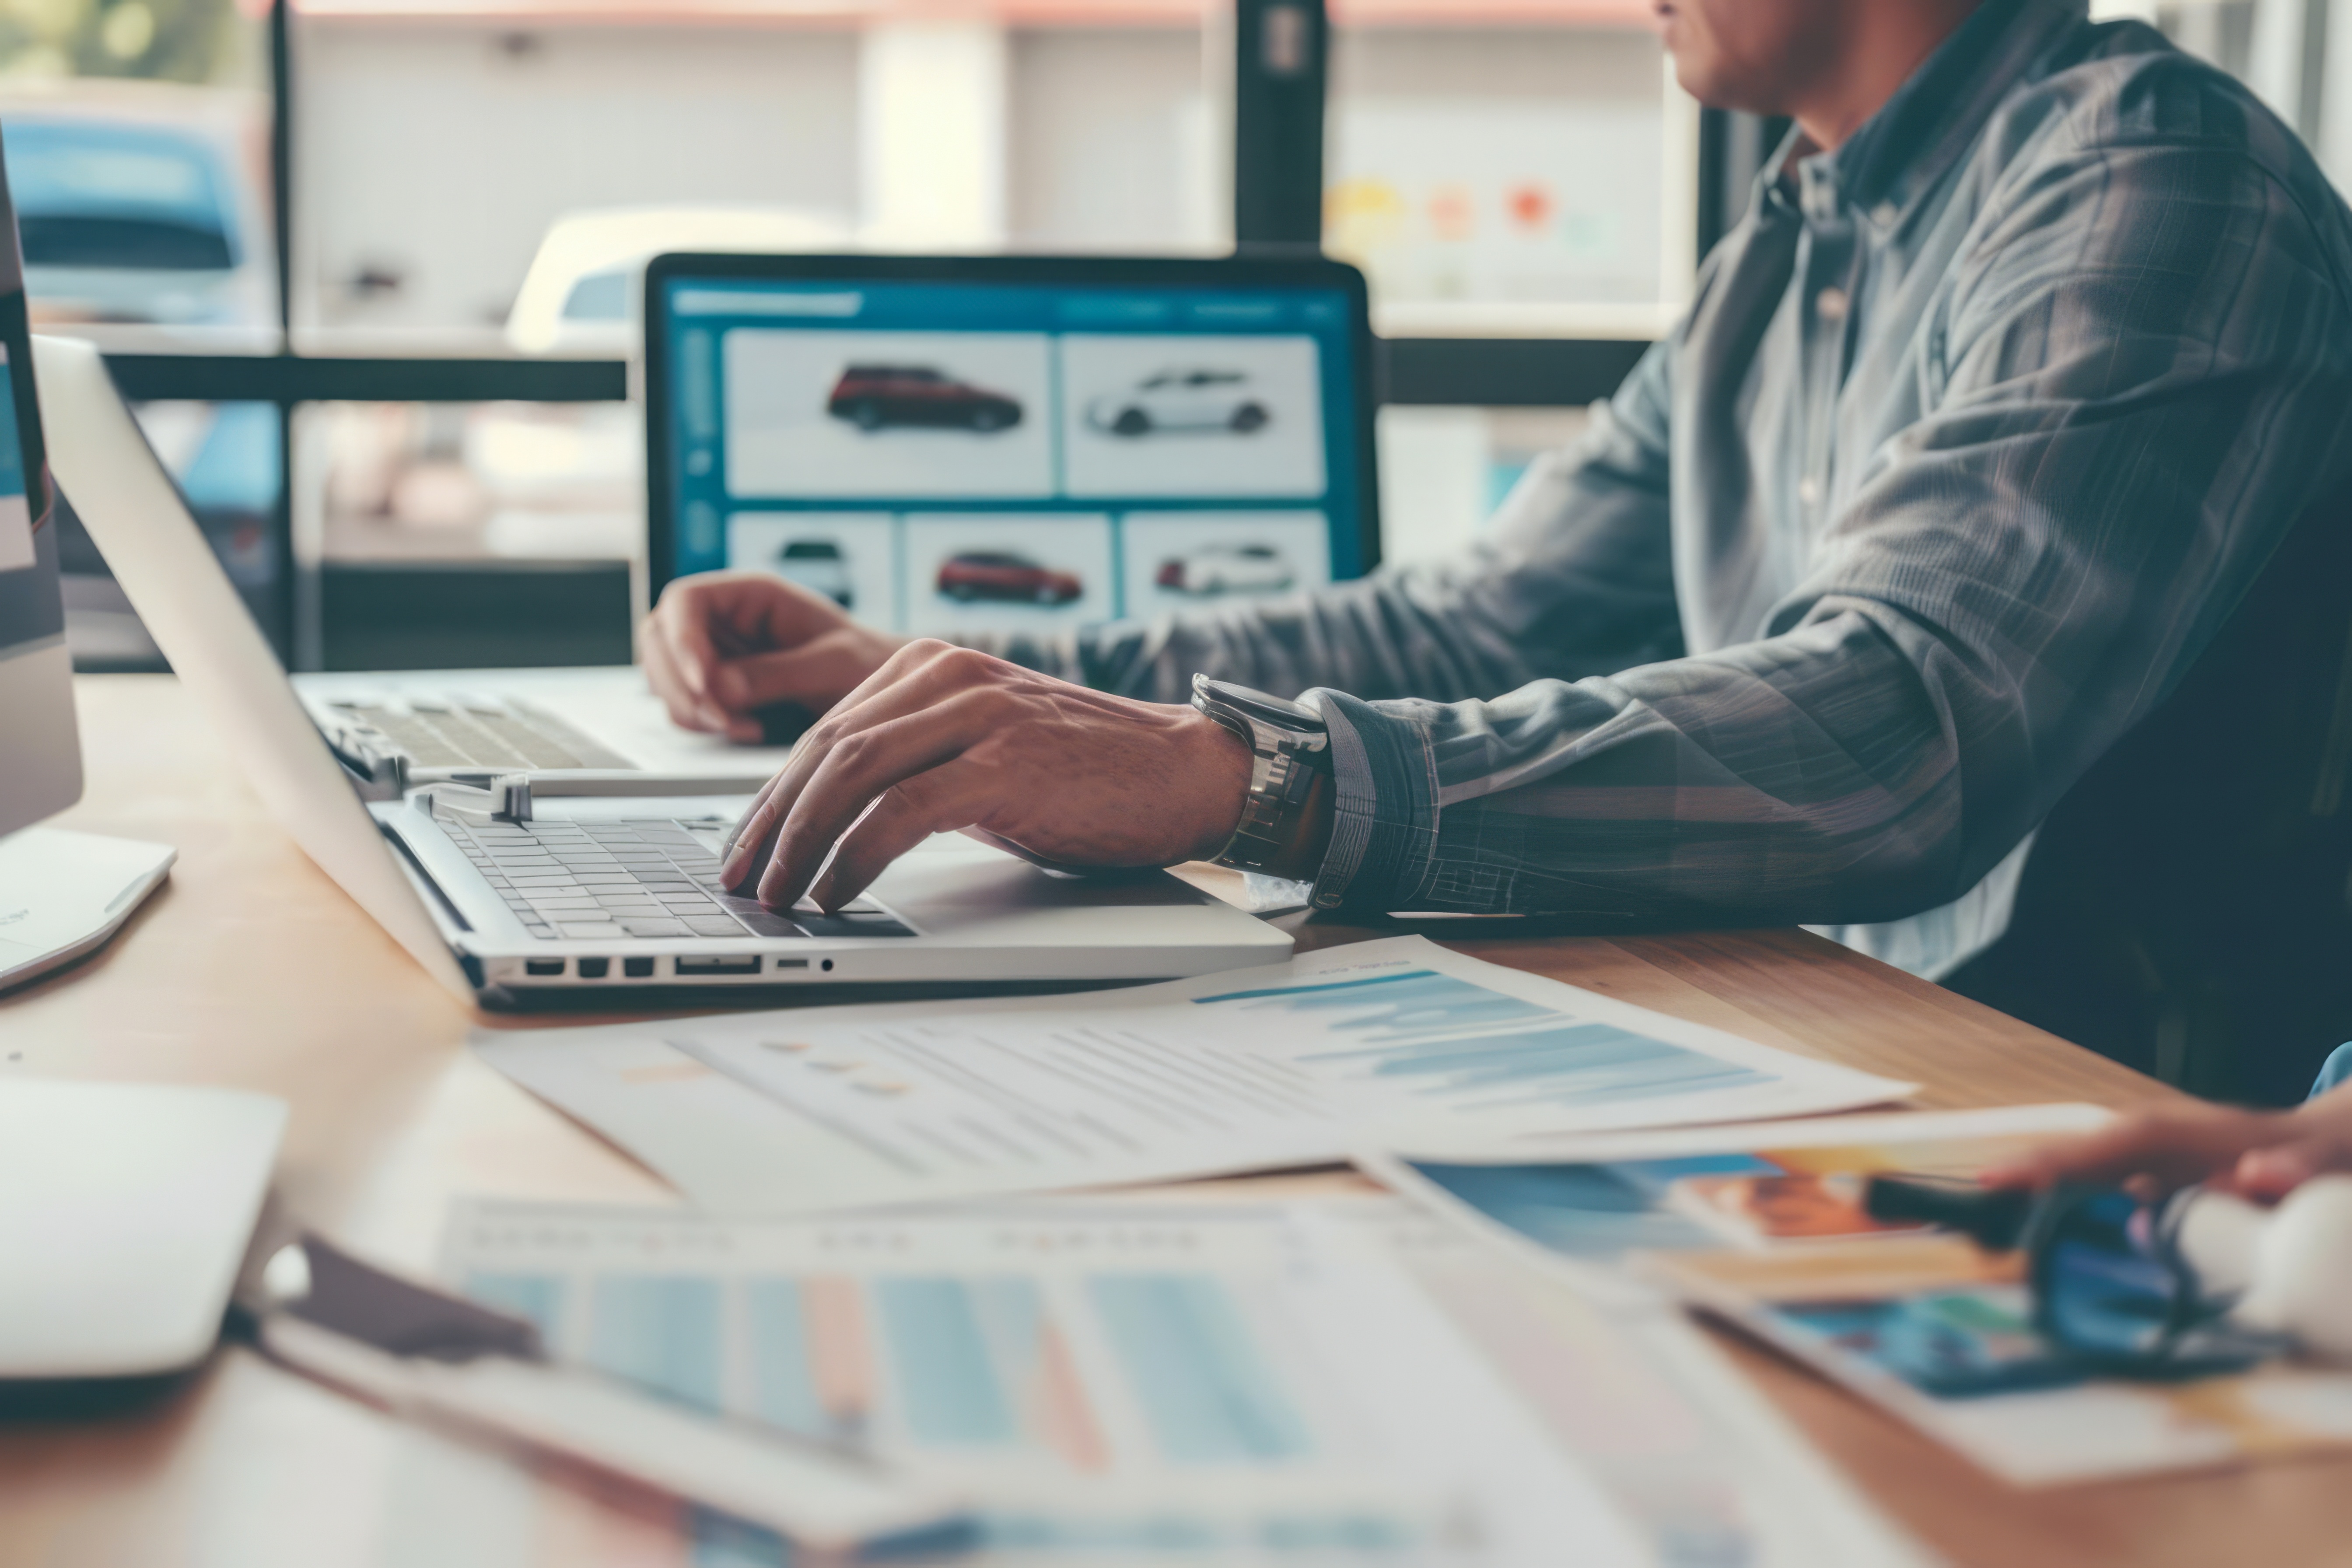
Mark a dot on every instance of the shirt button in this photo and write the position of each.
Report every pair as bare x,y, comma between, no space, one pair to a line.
1809,490
1884,215
1830,304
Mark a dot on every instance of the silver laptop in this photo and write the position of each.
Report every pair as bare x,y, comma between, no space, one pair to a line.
526,895
592,727
940,444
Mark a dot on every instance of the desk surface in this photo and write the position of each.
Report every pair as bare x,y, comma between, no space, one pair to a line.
251,969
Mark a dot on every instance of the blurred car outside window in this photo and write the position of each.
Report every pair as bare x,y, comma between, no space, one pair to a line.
389,482
137,136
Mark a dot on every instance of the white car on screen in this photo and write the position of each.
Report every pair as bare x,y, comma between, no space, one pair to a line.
1226,569
1196,398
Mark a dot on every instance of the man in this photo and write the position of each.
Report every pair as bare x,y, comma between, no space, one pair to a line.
2031,347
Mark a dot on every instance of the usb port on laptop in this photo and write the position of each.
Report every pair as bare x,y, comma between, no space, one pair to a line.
746,965
543,966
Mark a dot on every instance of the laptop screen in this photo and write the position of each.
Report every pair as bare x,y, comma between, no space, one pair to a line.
1013,445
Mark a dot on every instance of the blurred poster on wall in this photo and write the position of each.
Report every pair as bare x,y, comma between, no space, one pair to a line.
1455,199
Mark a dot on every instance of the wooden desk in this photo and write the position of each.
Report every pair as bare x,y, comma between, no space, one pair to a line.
252,970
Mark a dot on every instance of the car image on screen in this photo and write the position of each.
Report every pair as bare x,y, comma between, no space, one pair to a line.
1195,398
1226,569
817,566
1003,575
879,396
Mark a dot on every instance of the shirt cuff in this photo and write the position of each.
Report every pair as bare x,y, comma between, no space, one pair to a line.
1384,807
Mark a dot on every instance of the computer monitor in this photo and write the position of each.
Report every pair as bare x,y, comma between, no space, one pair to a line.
41,751
1014,444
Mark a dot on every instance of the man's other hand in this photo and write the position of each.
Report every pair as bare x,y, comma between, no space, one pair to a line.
721,646
2259,1154
942,738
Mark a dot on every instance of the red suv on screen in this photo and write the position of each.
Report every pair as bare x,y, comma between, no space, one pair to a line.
1000,574
875,396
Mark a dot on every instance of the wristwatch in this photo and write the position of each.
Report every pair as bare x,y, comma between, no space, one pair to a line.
1290,747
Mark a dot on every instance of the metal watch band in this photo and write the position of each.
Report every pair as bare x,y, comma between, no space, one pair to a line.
1284,762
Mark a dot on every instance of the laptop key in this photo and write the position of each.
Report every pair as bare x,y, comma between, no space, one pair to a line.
713,925
600,931
650,928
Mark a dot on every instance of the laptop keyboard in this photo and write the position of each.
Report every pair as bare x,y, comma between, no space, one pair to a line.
624,881
479,733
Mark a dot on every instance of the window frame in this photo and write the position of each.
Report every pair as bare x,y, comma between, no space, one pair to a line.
1280,93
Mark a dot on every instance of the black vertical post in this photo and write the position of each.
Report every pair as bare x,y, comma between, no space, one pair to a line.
1282,51
1731,147
287,632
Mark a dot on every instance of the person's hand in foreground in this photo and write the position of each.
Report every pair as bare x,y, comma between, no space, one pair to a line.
722,645
942,738
2259,1154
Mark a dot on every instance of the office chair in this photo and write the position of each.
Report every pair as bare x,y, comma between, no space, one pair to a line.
2188,907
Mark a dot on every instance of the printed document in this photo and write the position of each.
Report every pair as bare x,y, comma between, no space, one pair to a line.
1190,1354
1397,1044
1766,1225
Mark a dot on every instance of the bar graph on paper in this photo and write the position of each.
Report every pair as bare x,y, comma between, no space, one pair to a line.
936,1365
1115,1382
1397,1044
1449,1042
1278,1068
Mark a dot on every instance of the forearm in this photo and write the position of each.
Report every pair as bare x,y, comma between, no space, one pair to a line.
1573,576
1810,778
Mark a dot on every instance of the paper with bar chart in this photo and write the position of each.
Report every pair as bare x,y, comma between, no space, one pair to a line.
1397,1044
1104,1380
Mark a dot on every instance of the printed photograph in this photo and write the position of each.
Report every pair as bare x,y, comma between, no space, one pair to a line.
823,414
1192,415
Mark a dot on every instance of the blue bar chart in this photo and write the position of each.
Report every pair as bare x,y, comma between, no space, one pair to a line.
1471,1048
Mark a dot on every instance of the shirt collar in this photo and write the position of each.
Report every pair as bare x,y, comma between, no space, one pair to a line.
1932,118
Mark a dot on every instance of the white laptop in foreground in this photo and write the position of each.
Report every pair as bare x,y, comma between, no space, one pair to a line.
590,895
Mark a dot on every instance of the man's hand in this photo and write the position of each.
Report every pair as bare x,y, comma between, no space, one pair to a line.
2261,1154
724,644
942,738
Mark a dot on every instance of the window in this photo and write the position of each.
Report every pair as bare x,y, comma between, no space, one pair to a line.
436,150
1509,166
138,155
427,353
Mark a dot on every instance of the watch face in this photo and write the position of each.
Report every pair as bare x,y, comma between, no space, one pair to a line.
1275,710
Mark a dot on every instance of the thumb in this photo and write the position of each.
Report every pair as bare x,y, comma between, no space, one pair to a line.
790,674
2271,1173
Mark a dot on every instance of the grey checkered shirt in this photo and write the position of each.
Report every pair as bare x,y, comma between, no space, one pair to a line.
1979,426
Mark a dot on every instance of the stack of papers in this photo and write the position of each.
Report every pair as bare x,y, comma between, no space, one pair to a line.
1144,1380
1397,1045
1763,1226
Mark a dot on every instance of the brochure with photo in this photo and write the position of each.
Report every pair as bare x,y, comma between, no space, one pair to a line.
1762,1226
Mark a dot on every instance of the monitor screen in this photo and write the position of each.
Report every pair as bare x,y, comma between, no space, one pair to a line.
1017,444
40,756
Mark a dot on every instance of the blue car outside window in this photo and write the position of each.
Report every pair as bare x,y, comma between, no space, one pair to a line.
117,196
